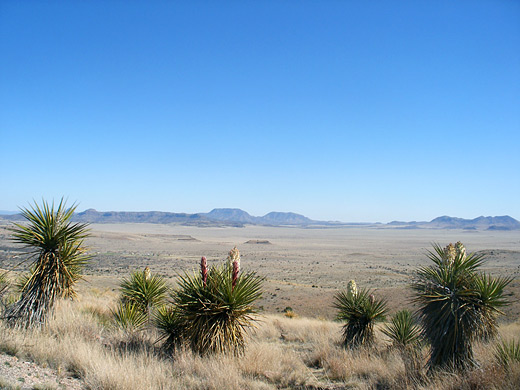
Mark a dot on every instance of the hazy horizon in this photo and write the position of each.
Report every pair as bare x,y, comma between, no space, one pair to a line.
10,212
356,112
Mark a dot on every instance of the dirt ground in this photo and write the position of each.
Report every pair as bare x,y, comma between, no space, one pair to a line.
303,267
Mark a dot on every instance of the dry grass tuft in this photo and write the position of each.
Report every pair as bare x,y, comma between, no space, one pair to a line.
281,353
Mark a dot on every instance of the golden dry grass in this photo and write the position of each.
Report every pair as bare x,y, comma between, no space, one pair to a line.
281,353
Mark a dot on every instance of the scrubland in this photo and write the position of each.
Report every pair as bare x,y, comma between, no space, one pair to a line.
303,269
281,353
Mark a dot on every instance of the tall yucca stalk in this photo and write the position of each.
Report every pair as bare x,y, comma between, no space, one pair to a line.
360,310
213,314
457,305
56,245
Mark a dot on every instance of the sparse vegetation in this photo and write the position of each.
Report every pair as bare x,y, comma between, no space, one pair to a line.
309,355
196,328
57,246
457,305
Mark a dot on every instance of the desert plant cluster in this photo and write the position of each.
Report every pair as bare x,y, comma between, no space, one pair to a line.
208,332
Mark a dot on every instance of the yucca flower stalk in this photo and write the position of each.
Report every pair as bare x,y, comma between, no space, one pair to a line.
233,256
352,289
234,276
204,270
212,316
457,305
56,245
360,310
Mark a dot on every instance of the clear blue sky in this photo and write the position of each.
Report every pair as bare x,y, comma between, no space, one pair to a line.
338,110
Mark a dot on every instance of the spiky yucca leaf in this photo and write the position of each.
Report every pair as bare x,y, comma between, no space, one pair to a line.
146,291
170,326
491,297
215,315
403,330
56,245
360,311
457,305
405,334
129,317
4,289
508,352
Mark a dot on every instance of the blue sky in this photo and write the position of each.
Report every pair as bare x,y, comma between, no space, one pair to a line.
339,110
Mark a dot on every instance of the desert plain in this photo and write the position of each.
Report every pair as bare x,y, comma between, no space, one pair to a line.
303,267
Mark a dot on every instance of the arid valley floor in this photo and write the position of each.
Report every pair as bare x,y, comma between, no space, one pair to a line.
303,267
81,348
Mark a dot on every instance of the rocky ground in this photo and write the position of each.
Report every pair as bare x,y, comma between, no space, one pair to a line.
21,374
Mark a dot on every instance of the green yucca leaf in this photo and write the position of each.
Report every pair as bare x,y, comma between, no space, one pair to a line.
129,317
214,316
170,326
403,330
508,352
457,305
360,311
146,292
56,245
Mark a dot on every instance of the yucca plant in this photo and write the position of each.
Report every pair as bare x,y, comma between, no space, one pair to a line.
405,334
129,317
457,305
360,310
170,326
142,294
403,330
55,245
508,352
144,289
216,306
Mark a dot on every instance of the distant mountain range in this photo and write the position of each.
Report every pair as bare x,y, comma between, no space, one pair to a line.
227,217
238,218
481,223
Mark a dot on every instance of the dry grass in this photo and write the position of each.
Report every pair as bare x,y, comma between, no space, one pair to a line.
281,353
